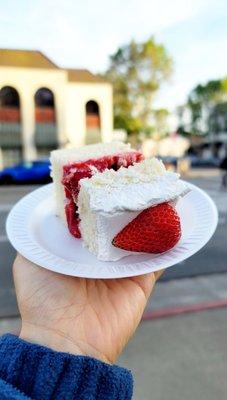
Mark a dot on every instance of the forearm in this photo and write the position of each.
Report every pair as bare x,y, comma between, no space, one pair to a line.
41,373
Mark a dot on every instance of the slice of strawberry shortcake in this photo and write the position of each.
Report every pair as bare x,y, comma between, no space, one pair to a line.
131,210
69,166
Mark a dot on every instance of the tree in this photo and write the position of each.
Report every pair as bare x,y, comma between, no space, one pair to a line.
160,117
137,70
218,118
203,98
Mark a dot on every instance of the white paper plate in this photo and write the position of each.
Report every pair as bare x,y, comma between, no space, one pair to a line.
40,236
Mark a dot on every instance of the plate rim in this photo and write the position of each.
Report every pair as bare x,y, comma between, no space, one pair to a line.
35,252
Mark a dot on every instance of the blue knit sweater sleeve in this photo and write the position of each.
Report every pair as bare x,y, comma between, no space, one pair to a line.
29,371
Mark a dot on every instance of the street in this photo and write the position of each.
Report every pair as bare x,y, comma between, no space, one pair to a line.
9,195
211,259
172,358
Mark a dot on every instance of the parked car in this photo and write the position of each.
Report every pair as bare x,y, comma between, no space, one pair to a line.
170,162
27,172
196,161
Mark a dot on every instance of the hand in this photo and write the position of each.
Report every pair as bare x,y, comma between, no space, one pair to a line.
91,317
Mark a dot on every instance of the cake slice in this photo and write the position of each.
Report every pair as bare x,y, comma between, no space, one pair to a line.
70,165
122,212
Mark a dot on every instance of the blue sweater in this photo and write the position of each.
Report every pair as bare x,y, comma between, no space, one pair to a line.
29,371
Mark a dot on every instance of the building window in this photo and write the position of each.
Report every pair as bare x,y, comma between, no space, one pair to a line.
45,122
93,126
10,126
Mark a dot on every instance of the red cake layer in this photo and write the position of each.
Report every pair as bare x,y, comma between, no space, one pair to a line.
72,173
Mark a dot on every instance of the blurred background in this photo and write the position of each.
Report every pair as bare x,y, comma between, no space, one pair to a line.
154,74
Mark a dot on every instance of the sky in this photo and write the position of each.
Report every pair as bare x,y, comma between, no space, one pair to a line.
84,33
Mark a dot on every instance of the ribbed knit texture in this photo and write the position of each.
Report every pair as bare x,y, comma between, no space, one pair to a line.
29,371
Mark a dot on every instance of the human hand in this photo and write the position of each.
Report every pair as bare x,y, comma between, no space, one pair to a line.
93,317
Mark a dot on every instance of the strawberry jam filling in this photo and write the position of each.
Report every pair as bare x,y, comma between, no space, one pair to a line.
72,173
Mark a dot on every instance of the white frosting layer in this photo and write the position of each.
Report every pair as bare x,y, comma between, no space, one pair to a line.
132,189
62,157
142,172
109,201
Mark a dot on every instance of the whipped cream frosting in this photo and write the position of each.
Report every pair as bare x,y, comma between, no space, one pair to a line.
134,188
62,157
144,171
109,201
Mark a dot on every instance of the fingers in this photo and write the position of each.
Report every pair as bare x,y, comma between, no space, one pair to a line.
19,260
158,274
148,281
16,263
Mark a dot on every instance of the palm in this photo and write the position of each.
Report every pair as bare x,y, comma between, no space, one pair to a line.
99,316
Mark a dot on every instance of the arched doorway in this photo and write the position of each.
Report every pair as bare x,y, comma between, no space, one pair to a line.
93,131
10,127
45,122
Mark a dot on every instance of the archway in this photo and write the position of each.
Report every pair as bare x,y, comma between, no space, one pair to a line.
93,125
10,126
45,122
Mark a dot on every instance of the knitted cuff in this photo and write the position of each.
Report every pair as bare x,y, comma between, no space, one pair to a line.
43,374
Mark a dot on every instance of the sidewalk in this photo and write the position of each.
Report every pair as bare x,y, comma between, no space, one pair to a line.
174,297
211,259
187,295
176,353
179,357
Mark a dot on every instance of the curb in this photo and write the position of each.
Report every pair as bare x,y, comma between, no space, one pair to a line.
190,308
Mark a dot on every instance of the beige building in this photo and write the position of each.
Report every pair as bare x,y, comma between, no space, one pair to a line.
43,106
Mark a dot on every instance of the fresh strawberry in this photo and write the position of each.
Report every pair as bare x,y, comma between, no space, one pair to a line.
155,230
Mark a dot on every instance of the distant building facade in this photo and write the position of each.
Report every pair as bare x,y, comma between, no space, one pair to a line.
43,107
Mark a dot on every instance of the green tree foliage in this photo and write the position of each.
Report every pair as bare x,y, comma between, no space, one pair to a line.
203,98
137,71
160,117
218,118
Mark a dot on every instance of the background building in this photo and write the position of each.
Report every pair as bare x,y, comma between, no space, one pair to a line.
43,107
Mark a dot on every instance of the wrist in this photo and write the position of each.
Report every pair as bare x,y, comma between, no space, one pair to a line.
58,341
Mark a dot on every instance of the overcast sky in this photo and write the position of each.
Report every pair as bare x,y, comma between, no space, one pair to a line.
84,33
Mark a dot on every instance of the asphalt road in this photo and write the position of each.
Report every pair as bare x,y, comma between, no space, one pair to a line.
211,259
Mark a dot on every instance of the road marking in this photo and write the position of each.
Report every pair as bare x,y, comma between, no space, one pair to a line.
187,308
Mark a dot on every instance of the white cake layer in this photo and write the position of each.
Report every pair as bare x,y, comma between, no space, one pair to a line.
59,158
109,201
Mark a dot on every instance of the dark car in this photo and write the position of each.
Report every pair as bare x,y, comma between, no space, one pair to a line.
169,161
27,172
223,164
196,161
